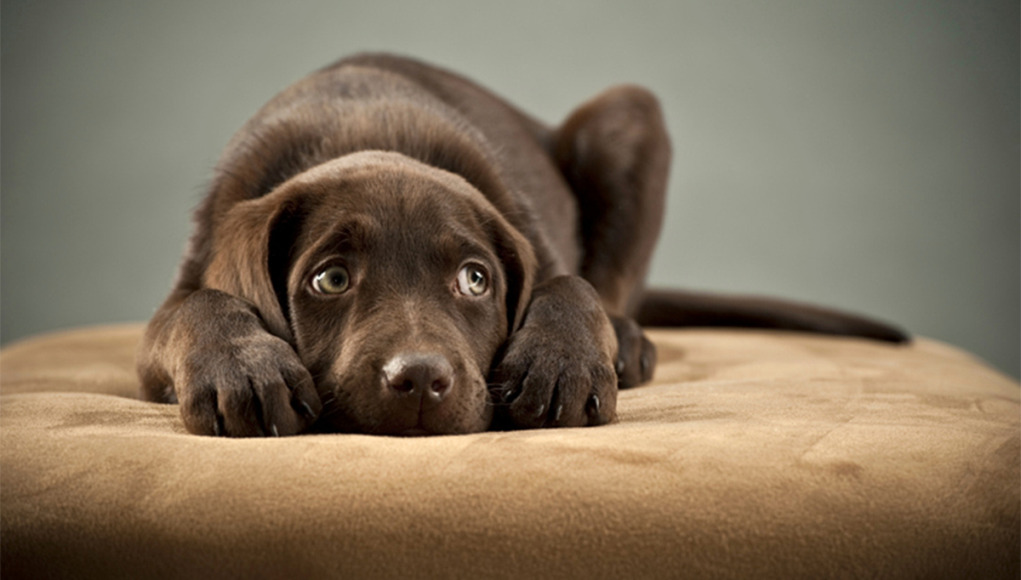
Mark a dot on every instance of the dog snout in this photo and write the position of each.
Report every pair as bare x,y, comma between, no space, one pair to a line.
428,376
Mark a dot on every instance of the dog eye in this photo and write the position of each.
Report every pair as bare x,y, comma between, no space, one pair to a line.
332,280
472,280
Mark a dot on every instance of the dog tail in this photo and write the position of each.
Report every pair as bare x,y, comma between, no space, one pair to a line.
676,308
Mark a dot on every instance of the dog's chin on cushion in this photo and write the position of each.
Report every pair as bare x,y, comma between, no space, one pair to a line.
425,389
349,407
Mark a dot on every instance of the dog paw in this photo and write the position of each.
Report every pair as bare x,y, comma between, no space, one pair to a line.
636,355
558,368
248,386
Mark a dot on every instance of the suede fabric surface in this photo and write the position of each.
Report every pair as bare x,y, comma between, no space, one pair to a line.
752,454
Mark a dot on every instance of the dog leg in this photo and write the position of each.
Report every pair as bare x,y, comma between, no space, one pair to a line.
210,351
558,368
615,154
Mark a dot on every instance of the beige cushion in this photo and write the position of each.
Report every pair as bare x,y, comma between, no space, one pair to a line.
752,454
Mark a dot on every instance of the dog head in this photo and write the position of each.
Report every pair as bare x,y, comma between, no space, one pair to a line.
396,283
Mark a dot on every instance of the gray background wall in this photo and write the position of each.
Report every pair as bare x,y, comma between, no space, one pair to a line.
858,154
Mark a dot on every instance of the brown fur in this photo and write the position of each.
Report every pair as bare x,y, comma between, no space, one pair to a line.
410,180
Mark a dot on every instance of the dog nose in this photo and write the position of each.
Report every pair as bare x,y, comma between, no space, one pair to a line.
427,375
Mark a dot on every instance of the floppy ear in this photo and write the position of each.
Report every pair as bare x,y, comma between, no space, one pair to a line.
252,254
519,265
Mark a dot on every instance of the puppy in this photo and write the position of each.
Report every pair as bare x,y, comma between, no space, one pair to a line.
388,248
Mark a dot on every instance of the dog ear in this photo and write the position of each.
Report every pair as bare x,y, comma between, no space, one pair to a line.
519,265
252,254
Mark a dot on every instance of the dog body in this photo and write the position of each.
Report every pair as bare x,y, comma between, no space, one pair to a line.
388,248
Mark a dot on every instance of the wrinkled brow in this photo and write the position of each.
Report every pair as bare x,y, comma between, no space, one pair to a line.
457,244
355,232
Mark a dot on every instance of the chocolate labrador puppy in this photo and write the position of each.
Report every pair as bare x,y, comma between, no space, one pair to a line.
388,248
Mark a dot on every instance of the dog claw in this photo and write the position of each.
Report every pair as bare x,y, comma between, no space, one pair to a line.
593,404
556,414
306,410
273,428
541,411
